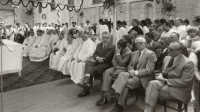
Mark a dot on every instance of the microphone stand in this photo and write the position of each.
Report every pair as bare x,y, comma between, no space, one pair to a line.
1,44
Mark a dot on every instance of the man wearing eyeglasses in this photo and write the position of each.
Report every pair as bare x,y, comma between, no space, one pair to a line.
175,80
140,72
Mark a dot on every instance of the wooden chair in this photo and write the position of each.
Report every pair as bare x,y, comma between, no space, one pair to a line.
136,92
178,102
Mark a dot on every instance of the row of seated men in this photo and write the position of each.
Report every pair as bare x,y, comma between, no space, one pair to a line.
161,68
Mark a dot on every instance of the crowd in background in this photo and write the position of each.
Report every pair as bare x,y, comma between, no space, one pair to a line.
160,56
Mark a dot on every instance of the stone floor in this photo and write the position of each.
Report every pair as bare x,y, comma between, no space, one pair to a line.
61,96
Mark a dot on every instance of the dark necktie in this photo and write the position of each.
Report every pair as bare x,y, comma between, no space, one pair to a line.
137,60
171,63
165,74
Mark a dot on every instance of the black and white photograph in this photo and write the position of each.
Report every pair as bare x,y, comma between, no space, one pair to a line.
99,55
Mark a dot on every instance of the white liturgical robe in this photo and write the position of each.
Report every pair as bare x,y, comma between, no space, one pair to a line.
40,49
62,65
85,53
100,30
55,58
53,40
182,32
27,45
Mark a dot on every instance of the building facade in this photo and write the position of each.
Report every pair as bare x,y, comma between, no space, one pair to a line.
136,9
52,15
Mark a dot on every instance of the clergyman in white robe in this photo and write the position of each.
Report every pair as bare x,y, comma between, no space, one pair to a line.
78,68
28,42
55,56
40,49
70,49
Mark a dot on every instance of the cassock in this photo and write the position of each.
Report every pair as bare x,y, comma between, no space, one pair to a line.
41,52
78,69
55,58
28,42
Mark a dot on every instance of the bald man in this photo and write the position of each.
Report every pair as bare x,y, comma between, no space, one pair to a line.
175,80
140,72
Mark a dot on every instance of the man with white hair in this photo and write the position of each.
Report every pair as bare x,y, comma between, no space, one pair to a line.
54,38
140,72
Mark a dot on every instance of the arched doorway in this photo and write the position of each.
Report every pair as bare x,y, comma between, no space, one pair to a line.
148,11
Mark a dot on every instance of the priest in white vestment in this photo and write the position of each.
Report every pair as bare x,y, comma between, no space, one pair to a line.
58,51
70,49
28,42
119,33
77,67
181,29
40,49
101,28
54,38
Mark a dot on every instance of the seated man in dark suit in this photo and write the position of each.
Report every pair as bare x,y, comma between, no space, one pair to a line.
140,72
102,60
120,62
151,44
174,82
174,37
156,34
161,53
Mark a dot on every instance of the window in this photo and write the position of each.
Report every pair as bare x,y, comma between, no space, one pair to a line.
53,5
40,8
97,1
70,2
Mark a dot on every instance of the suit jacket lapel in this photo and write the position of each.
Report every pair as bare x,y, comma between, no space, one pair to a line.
177,62
142,57
104,48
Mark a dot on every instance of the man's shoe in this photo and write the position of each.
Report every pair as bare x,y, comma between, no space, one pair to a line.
118,108
102,101
84,93
81,85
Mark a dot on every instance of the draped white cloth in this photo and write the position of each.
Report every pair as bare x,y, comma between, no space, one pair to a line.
28,42
40,49
76,69
55,58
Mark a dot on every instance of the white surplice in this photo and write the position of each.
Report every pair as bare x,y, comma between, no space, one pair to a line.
119,34
41,52
182,32
27,45
55,58
76,69
53,40
62,65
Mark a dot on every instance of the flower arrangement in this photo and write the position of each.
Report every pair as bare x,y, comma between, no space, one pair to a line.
167,8
81,14
29,12
107,4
